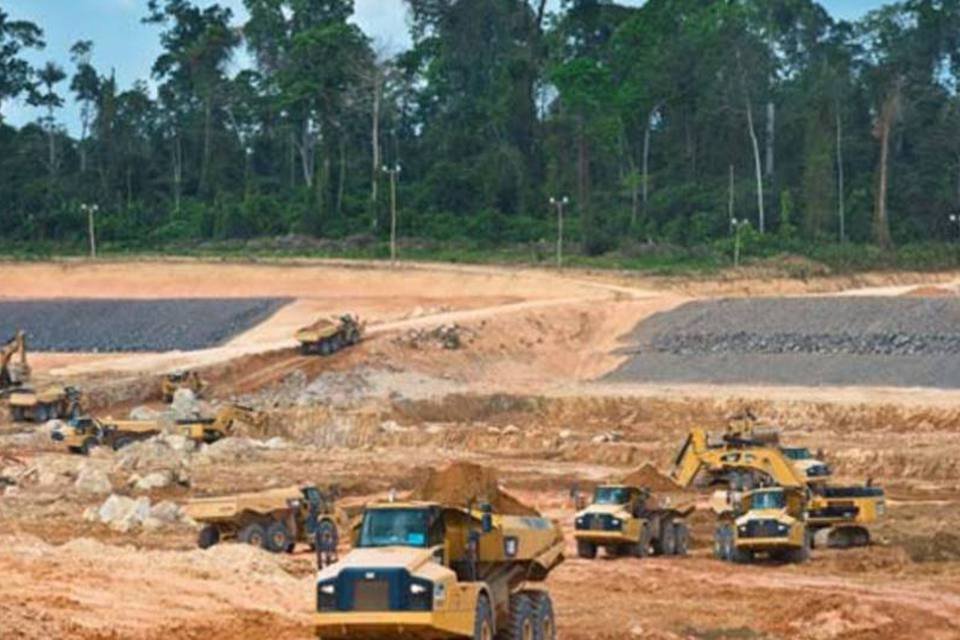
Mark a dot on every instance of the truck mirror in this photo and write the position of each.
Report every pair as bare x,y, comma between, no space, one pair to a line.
487,520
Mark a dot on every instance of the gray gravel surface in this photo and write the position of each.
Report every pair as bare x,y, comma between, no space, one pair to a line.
913,342
133,325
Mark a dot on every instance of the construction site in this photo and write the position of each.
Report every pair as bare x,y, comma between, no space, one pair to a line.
161,419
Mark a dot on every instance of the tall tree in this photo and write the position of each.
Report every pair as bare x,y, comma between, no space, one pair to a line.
16,75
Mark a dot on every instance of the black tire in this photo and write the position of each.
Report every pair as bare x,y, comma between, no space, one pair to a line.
120,443
642,548
483,619
87,445
546,623
740,556
683,539
16,413
801,555
40,413
208,537
522,623
667,544
325,347
279,539
586,550
254,535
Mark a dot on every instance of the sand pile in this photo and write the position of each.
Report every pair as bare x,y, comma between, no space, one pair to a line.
648,477
462,483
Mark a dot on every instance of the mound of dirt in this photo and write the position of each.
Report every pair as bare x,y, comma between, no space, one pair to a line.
463,483
647,476
929,292
940,547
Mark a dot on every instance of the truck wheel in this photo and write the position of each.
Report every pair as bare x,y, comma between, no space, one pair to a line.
87,445
801,555
16,413
208,537
740,556
586,550
522,623
40,413
254,535
325,348
278,538
683,539
642,548
667,544
120,443
483,620
543,612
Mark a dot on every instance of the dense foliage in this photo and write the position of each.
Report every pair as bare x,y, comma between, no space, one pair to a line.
660,123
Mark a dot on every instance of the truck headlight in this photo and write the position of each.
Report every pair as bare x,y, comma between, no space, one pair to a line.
782,528
580,522
327,596
742,529
616,522
420,595
417,589
328,589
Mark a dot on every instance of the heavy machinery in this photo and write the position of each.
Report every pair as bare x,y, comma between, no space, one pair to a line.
55,402
14,373
177,380
327,336
429,570
275,519
624,521
230,420
83,433
813,468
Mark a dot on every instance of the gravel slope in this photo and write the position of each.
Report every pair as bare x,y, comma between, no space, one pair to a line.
912,342
133,325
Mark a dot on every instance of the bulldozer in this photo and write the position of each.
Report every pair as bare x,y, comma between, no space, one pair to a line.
81,434
431,570
14,374
177,380
230,420
55,402
275,520
328,336
623,520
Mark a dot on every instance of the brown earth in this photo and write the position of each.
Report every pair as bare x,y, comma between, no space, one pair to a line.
518,399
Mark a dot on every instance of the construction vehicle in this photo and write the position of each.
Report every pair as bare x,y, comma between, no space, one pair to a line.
429,570
177,380
275,519
55,402
624,521
230,420
328,336
813,468
14,373
83,433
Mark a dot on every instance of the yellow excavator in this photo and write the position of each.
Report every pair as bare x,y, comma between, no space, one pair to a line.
837,516
13,374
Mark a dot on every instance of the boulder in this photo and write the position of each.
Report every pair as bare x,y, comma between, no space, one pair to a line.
145,413
154,480
123,514
166,512
91,480
510,430
185,405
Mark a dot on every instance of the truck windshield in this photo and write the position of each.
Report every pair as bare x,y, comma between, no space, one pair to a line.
611,495
768,500
395,527
798,454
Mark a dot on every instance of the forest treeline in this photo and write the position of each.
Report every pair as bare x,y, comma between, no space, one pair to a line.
660,123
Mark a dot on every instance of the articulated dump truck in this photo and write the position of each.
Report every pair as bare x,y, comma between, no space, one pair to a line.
326,337
427,570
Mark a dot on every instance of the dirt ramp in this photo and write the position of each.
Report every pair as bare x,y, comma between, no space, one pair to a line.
462,483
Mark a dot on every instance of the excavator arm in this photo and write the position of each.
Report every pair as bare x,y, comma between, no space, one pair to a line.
14,346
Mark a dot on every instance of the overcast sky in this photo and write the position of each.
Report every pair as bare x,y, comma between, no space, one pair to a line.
129,47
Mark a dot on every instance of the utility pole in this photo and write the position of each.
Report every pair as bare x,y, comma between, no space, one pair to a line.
737,225
91,210
955,219
560,203
394,177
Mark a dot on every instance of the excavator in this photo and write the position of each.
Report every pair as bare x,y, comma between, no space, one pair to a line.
229,420
837,516
14,374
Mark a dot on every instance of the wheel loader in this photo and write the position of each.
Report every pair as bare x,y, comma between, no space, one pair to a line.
14,374
177,380
430,570
51,403
82,434
276,519
229,421
624,521
326,336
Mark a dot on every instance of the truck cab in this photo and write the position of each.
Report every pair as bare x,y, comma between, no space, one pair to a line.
812,468
769,521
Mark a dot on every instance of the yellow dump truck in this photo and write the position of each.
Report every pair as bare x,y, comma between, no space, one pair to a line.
427,570
276,519
14,371
229,421
625,521
84,433
327,336
177,380
50,403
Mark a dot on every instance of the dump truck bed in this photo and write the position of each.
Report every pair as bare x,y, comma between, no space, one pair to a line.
318,331
229,507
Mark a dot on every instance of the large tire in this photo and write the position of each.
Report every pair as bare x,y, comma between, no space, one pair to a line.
208,537
740,556
483,619
801,555
642,548
41,413
667,544
522,623
546,623
279,538
326,348
120,443
87,445
586,550
254,535
17,414
683,539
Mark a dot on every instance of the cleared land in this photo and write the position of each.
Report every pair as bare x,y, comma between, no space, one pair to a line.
520,395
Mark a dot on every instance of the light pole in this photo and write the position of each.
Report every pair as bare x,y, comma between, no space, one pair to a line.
394,177
91,210
955,219
737,225
560,203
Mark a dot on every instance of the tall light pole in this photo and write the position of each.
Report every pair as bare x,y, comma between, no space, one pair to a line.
560,203
394,177
955,219
91,210
737,225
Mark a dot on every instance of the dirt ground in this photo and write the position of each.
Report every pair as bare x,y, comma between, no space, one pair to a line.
520,396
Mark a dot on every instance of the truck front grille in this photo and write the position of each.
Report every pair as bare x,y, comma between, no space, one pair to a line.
763,529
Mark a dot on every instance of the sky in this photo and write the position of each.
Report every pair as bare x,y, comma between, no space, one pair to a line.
129,48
